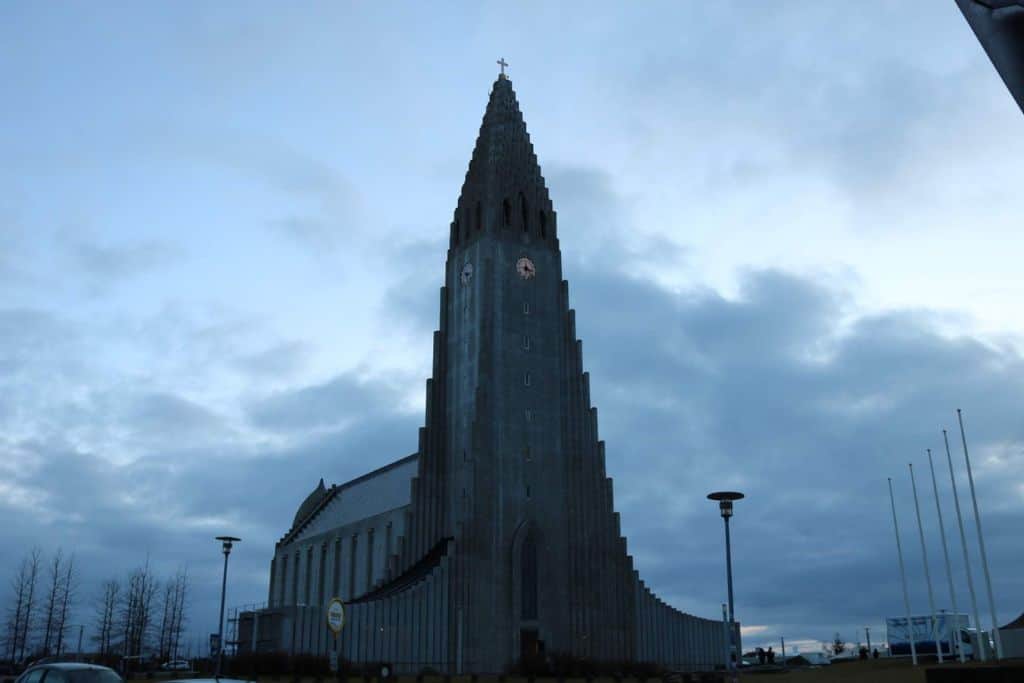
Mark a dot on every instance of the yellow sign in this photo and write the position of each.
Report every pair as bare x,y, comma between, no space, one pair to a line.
335,615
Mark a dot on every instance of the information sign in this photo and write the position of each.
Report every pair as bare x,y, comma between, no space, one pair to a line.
335,615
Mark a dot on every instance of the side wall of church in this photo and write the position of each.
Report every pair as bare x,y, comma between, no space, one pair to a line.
408,629
343,562
674,639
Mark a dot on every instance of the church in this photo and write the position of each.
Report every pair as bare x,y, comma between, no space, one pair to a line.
498,538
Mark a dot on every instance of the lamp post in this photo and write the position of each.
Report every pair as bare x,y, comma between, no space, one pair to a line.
226,543
725,499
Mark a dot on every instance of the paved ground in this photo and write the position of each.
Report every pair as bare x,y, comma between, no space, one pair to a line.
871,671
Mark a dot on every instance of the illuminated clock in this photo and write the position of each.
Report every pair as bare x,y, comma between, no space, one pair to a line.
467,273
525,268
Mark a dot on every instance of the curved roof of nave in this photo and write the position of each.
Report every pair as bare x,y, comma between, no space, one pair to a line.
312,500
321,496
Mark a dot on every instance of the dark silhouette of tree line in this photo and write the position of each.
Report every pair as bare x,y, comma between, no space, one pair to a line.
139,615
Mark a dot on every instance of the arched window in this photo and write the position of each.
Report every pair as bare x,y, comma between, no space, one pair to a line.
523,210
543,224
479,217
506,213
528,569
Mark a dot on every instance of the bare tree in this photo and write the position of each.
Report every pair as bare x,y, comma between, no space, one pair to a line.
16,616
137,610
51,602
178,616
69,588
30,566
20,618
173,614
167,612
106,615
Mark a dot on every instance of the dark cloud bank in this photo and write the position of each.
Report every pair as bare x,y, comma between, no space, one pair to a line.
777,392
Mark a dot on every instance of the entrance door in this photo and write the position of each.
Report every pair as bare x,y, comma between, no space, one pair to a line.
530,645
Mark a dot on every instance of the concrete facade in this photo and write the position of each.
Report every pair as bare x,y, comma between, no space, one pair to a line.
498,539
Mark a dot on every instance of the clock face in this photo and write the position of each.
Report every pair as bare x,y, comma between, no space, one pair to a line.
525,268
467,273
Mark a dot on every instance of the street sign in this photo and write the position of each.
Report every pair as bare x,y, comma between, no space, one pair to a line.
335,615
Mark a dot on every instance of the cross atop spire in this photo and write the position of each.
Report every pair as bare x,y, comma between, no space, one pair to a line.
503,187
502,63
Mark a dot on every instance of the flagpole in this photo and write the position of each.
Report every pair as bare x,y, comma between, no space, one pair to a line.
980,652
903,577
981,542
945,554
927,571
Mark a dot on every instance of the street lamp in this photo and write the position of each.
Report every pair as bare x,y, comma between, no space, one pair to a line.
226,542
725,499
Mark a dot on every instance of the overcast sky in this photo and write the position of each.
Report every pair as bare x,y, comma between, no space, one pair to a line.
791,232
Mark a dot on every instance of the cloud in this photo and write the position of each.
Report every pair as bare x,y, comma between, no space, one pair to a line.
775,391
123,432
106,264
165,413
341,401
770,394
279,360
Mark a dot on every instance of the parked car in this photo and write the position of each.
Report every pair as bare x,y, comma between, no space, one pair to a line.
69,672
8,672
176,665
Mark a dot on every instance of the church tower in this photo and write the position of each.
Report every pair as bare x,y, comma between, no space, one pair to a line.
496,541
509,453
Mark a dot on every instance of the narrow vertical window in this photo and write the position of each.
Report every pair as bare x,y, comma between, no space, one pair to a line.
528,573
479,217
455,232
284,580
352,567
526,379
336,579
307,588
369,559
273,583
466,227
526,308
526,342
529,415
387,544
527,455
525,212
527,491
506,213
295,580
321,579
543,224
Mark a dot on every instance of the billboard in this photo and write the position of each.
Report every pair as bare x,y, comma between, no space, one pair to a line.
898,632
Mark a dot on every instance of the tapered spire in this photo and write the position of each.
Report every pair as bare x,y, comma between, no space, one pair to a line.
504,188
